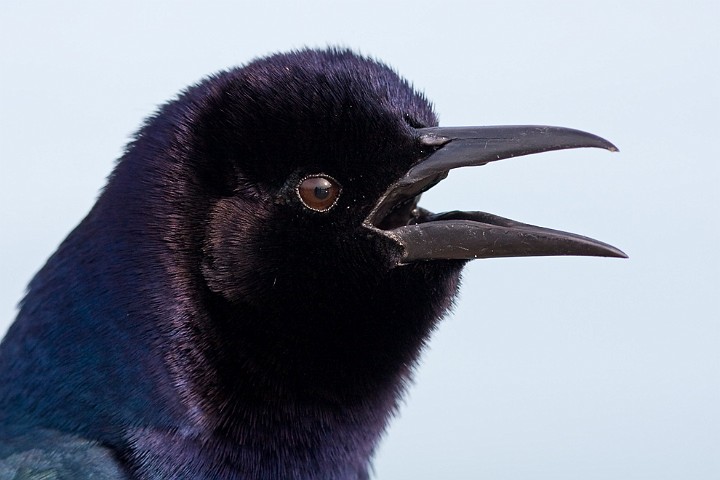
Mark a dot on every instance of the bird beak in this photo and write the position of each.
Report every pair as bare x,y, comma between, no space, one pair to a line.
423,235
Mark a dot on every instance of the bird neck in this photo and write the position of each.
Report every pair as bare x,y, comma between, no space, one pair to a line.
295,403
293,406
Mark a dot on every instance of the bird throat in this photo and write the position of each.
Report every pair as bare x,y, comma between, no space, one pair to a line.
313,400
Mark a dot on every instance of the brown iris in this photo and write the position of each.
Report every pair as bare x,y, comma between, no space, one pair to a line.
319,192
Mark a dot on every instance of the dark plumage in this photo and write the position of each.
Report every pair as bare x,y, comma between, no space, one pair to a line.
220,314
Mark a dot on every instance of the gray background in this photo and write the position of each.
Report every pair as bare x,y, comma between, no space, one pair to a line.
559,368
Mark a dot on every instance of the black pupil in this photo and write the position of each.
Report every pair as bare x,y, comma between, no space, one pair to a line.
321,193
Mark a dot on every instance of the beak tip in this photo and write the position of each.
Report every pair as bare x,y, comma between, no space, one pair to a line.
616,253
607,145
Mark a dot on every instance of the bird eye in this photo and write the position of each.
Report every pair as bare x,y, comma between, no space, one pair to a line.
319,192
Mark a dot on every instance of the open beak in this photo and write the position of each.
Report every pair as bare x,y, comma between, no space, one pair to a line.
423,235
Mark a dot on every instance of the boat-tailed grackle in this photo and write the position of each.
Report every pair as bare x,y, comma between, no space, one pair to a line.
249,295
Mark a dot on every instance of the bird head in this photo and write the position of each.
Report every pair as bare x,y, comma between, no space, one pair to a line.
314,163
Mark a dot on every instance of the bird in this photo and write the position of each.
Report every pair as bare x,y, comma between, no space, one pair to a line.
250,294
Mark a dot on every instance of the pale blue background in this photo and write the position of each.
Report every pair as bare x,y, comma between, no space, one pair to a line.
556,368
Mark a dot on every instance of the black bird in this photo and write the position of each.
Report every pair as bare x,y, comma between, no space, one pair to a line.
251,291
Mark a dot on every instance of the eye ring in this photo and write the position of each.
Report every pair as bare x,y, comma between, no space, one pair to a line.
318,192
